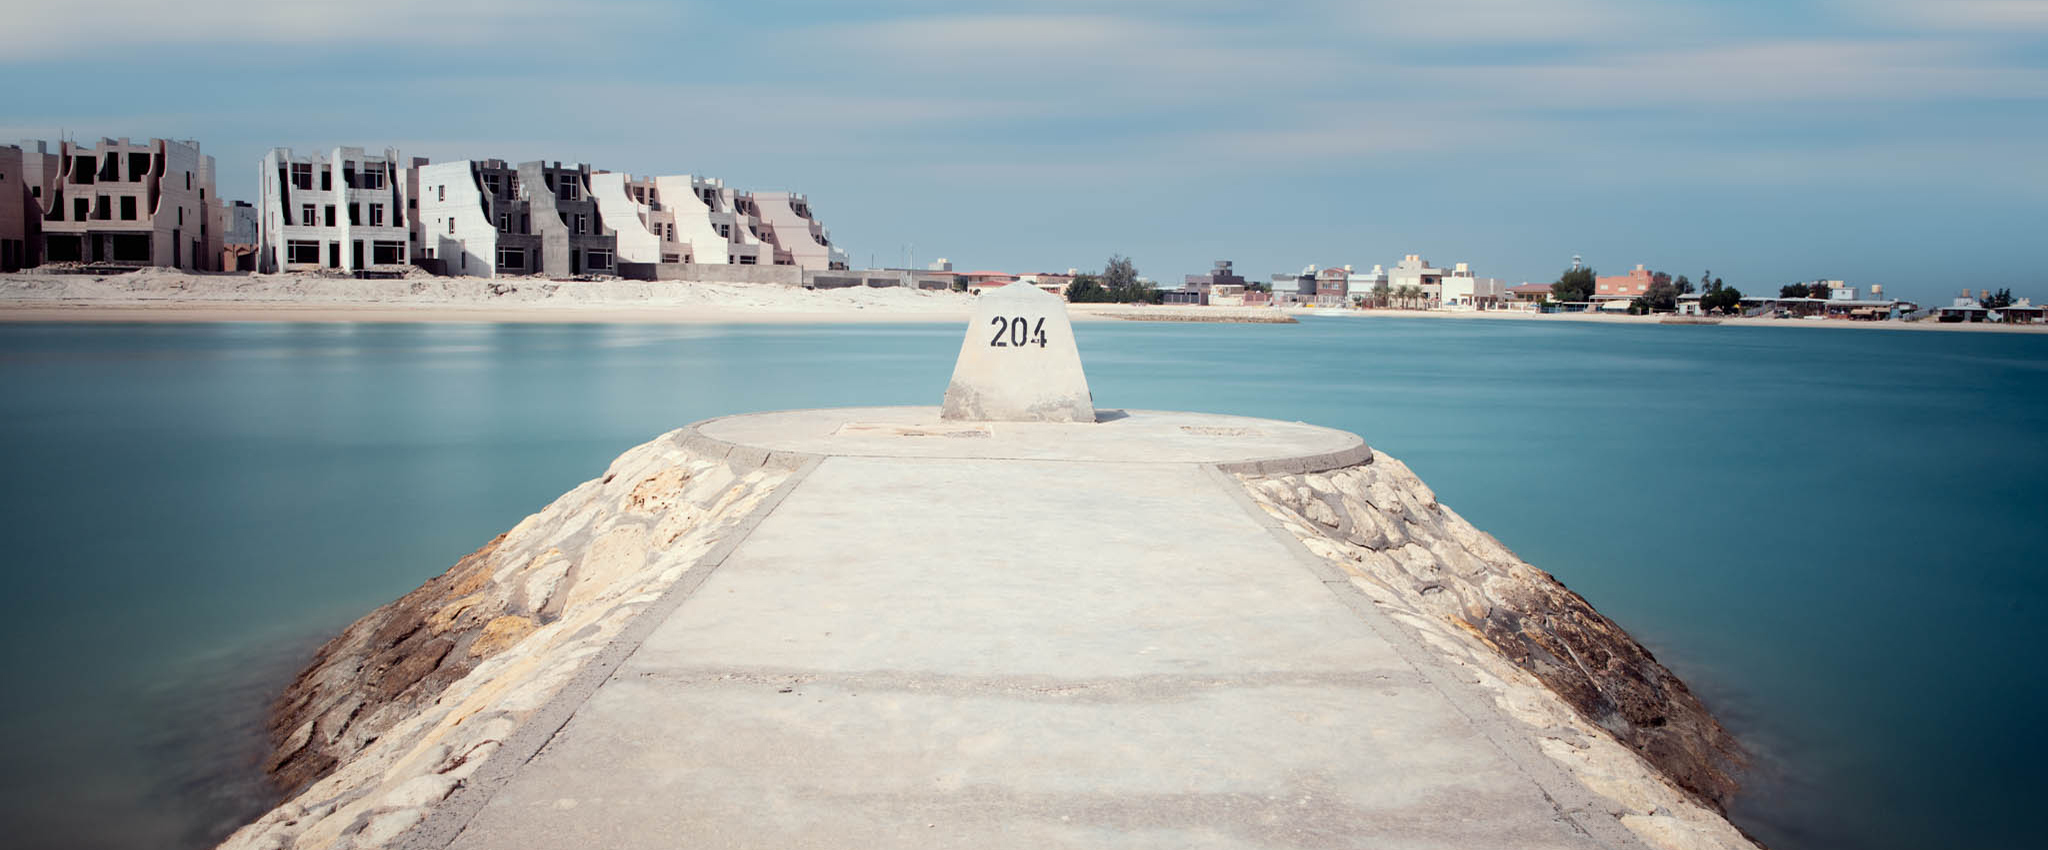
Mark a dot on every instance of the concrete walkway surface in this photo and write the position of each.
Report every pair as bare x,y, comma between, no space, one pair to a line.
942,639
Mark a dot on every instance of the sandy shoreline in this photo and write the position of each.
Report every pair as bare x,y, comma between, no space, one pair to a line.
168,296
1611,319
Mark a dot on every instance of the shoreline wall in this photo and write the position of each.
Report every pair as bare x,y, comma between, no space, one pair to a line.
392,715
1597,703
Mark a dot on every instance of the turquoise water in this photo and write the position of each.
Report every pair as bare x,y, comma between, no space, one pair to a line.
1834,535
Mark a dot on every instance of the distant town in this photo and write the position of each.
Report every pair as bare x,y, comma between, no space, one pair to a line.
120,206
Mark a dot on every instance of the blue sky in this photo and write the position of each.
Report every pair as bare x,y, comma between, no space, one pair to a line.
1901,142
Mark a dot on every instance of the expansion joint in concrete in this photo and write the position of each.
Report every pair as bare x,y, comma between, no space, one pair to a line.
448,819
1577,808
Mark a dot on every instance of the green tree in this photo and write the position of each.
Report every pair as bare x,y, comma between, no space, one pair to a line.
1380,293
1086,289
1574,285
1996,300
1792,290
1816,289
1684,285
1722,299
1657,278
1120,277
1660,297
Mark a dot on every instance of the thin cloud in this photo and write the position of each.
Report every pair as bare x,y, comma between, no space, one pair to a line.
41,30
1989,16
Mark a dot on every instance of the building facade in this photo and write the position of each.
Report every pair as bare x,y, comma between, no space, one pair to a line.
686,219
1633,285
1198,288
1333,287
798,237
240,227
1415,271
1463,290
345,209
15,206
485,218
122,203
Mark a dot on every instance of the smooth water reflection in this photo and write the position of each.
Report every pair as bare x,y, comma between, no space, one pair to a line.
1829,533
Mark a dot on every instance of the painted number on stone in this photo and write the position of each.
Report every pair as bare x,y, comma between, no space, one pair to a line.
1016,331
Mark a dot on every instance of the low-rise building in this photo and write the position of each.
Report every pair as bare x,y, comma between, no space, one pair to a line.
1462,290
1333,287
240,227
484,218
15,206
1366,286
688,219
2022,312
1629,286
1197,288
1530,293
344,209
1414,271
122,203
978,281
798,237
1295,287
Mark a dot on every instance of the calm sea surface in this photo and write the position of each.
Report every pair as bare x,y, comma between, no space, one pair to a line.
1835,536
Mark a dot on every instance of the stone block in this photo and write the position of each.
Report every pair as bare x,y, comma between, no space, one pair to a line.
1018,362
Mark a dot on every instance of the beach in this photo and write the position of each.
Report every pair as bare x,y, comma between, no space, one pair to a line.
157,295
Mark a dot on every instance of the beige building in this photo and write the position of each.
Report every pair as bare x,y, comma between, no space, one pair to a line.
15,216
123,203
689,219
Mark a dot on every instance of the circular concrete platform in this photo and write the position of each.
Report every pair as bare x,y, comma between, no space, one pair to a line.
1234,443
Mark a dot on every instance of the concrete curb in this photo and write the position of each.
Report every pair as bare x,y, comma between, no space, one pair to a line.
1354,456
692,437
452,815
1578,809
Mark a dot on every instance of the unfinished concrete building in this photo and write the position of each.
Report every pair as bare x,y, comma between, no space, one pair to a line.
786,217
240,228
122,204
687,219
345,209
15,207
483,218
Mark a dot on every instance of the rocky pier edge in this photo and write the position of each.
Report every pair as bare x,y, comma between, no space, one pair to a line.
1597,702
407,703
396,713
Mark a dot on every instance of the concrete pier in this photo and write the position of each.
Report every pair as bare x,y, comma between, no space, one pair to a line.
958,634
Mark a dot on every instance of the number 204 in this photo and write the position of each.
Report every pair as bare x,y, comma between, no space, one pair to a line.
1017,331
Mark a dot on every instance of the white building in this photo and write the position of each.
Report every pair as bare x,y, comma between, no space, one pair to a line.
484,218
1464,291
1415,271
345,209
120,203
686,219
1364,284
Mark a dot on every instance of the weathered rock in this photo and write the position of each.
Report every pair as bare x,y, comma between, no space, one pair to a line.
408,700
1391,530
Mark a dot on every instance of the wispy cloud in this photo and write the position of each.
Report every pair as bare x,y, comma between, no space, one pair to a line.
39,30
1995,16
1760,72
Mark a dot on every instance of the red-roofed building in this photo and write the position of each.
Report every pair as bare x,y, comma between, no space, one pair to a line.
986,279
